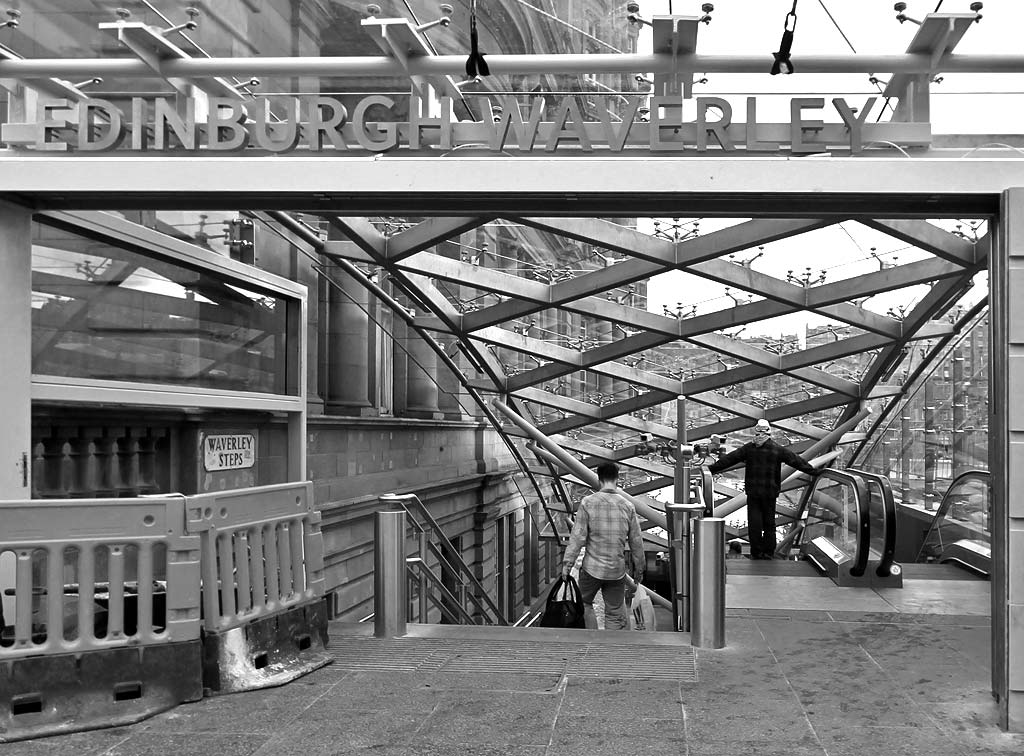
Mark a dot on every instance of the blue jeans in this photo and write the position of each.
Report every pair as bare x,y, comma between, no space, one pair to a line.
614,594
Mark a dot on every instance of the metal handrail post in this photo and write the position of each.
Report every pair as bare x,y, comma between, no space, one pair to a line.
680,517
424,546
389,575
708,629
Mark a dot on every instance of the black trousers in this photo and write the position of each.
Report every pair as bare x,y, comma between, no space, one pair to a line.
761,524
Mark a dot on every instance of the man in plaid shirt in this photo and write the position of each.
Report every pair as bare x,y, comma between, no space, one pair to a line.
763,479
606,524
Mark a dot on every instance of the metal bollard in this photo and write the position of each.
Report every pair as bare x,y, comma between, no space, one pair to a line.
708,584
389,578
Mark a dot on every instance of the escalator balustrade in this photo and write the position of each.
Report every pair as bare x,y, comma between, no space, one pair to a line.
882,529
961,531
847,529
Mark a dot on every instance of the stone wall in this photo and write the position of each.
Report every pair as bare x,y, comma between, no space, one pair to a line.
461,471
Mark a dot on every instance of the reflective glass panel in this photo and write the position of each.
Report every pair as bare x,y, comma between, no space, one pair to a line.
106,313
832,513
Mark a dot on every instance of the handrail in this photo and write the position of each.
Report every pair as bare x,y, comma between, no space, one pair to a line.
888,551
529,619
943,510
480,605
438,584
707,486
404,501
863,530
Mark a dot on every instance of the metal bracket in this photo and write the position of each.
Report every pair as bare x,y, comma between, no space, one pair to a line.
675,36
151,47
936,37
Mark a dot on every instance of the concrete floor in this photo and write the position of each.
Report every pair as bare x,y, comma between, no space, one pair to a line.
809,668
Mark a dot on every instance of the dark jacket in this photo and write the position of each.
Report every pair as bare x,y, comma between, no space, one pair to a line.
763,474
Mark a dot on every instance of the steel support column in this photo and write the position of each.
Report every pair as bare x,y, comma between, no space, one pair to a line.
16,348
1006,456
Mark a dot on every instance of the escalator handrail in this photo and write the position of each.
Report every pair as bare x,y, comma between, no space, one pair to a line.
863,550
885,563
947,502
707,484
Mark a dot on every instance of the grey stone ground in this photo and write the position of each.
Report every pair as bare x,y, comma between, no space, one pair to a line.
798,682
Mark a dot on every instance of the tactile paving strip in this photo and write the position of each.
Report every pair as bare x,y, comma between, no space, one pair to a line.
614,661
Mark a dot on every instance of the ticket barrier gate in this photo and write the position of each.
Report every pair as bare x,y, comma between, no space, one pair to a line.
117,609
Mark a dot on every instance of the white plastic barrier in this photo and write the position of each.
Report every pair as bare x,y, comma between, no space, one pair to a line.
262,552
95,574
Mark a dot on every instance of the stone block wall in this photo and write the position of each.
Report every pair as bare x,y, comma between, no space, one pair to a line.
460,470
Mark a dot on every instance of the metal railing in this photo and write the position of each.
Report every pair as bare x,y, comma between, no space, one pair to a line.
470,600
961,531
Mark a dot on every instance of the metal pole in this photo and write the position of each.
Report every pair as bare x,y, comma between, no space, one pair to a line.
680,515
389,570
906,448
930,444
708,629
440,65
682,476
679,519
573,465
959,393
422,586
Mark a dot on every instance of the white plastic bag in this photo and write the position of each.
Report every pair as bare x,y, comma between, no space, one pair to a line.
641,616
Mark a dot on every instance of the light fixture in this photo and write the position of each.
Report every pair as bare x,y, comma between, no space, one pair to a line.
13,18
190,25
633,15
706,8
445,20
782,63
903,17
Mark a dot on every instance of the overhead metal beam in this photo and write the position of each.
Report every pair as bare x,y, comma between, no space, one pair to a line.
455,65
155,50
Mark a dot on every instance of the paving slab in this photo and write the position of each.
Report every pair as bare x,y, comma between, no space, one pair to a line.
826,673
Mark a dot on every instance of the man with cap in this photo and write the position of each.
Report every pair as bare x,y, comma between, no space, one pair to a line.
763,459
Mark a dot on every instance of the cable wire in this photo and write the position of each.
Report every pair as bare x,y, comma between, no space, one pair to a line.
322,270
553,17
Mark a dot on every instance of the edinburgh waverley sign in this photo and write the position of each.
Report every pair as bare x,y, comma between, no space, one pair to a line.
323,125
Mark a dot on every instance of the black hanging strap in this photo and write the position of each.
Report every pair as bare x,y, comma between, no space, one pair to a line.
475,65
782,62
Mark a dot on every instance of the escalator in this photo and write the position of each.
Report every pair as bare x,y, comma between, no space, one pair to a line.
961,531
847,529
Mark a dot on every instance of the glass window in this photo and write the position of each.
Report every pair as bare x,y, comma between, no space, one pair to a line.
106,313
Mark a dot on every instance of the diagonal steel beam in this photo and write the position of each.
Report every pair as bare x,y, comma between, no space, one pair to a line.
941,297
428,234
626,456
540,298
930,238
880,281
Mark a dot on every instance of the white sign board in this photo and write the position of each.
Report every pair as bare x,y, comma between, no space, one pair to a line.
236,451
